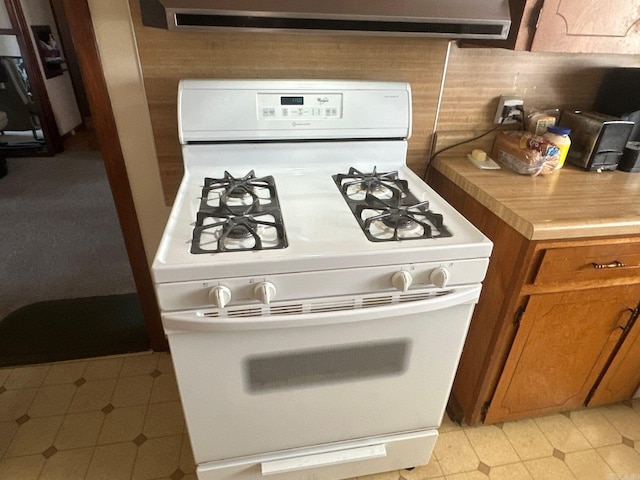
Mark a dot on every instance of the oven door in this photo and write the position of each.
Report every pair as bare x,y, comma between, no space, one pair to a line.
317,372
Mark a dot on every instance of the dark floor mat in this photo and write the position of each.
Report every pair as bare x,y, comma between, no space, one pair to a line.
69,329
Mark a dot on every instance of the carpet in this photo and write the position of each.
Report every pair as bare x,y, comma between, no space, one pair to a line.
60,232
69,329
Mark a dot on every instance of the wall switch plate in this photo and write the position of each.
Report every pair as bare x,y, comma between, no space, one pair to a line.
510,107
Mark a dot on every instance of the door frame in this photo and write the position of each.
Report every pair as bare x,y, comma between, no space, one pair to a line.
78,17
21,30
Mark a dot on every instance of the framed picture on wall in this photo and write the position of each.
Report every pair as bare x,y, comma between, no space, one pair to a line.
49,50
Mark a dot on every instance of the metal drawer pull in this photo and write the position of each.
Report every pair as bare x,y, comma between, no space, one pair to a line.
616,264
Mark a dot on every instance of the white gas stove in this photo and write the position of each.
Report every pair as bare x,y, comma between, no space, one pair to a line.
307,277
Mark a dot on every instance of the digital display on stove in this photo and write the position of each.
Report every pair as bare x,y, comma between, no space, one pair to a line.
291,100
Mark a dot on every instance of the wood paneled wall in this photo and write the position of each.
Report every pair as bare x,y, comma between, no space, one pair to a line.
475,77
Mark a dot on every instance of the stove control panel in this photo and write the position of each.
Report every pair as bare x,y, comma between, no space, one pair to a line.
291,106
272,289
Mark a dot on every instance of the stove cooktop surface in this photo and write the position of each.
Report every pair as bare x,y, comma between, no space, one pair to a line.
320,229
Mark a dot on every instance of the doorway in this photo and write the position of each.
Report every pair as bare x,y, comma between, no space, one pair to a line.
62,237
27,124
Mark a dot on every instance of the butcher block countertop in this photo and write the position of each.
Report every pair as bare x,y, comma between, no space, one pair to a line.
569,203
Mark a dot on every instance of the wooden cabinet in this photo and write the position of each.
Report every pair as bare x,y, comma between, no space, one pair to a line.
564,342
556,325
591,26
622,376
588,26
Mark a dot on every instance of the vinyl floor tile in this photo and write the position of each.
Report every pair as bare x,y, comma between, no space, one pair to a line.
79,430
624,419
66,372
112,462
122,424
514,471
588,465
455,454
549,468
157,457
491,445
15,403
562,433
527,439
52,400
34,436
25,377
595,427
623,460
67,465
423,472
21,468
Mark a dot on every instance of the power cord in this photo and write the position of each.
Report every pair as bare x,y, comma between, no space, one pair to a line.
477,137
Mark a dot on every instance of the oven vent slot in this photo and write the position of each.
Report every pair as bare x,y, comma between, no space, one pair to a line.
417,296
211,314
245,312
377,301
332,306
294,309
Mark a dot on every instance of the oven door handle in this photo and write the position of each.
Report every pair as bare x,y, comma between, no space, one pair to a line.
203,321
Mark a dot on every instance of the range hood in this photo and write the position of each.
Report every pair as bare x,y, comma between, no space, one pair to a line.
487,19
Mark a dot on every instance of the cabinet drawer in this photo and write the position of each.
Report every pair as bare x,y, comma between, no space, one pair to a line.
585,263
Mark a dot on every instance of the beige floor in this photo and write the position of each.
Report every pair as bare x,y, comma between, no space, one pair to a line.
120,418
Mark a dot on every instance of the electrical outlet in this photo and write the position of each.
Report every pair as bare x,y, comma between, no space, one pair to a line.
510,108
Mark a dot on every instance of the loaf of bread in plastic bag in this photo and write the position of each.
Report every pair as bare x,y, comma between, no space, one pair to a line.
525,153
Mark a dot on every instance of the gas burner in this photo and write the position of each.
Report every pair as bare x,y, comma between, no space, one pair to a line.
355,185
238,233
241,194
396,215
394,221
238,214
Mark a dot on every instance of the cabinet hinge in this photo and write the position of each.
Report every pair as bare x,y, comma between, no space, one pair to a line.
484,410
517,317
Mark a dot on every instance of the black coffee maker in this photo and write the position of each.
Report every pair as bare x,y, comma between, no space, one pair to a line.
619,95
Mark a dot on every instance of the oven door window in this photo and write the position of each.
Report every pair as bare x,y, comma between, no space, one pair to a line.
325,366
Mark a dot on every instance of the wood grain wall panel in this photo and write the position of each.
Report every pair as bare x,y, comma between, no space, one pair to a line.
167,56
476,77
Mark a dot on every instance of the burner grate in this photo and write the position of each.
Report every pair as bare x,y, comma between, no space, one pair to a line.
385,208
238,214
356,185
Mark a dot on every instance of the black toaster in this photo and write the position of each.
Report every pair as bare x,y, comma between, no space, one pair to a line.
597,140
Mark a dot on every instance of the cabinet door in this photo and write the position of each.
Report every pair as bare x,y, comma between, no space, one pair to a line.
563,343
588,26
622,377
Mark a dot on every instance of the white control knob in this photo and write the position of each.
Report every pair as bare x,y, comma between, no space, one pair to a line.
440,277
401,280
220,296
264,292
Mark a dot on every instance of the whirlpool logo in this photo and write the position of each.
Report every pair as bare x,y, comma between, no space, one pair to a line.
300,124
322,100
